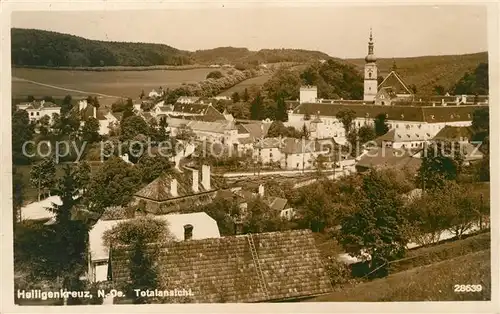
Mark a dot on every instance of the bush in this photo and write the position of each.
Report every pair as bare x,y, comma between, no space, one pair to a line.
214,75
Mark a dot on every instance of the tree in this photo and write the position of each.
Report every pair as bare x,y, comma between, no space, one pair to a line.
17,193
473,83
43,175
133,126
22,132
139,232
305,132
366,133
481,120
49,99
30,98
142,95
346,117
441,161
44,126
439,89
316,209
246,96
185,133
276,129
151,167
258,218
381,127
257,108
214,75
70,234
67,105
281,113
128,110
90,130
224,211
82,175
378,225
235,97
121,181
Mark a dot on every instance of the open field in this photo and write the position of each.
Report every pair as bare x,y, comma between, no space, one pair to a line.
428,283
427,71
114,83
258,81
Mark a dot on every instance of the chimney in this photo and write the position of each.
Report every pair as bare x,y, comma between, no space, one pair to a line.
173,188
205,177
261,190
95,112
188,232
195,181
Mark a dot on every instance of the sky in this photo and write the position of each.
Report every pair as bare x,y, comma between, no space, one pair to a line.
399,31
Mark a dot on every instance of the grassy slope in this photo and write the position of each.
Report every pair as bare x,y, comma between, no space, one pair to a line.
120,83
259,81
427,71
429,283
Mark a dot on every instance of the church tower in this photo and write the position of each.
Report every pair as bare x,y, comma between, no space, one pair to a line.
371,83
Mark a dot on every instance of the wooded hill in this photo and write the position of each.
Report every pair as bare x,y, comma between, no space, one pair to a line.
31,47
428,71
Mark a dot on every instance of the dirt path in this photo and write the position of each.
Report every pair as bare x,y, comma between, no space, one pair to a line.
65,89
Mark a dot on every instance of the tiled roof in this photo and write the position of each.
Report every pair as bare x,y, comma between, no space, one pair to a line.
224,269
215,127
276,203
401,135
428,114
454,133
189,98
385,157
190,108
255,129
269,142
159,189
39,105
397,84
298,146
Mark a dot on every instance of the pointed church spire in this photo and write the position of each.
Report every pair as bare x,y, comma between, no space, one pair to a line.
370,57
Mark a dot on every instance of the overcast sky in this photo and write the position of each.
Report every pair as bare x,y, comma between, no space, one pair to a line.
399,31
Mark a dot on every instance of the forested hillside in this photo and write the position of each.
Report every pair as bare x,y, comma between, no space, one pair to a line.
32,47
429,71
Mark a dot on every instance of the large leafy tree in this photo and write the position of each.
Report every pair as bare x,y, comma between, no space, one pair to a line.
121,181
133,126
43,175
22,132
378,225
473,83
90,130
381,126
257,108
138,232
441,162
151,167
346,117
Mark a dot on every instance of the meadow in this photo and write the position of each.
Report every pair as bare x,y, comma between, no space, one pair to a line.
111,83
240,88
433,282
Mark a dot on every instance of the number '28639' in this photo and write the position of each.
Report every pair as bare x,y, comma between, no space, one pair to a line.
467,288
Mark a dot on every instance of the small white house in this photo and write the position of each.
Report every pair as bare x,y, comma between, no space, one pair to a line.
201,226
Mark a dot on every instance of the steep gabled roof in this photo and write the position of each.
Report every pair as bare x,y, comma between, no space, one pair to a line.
385,157
225,269
397,84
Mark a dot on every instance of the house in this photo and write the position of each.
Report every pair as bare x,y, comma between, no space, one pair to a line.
205,111
202,227
263,267
396,85
455,133
187,100
155,94
386,157
403,138
224,132
105,118
37,109
301,154
176,190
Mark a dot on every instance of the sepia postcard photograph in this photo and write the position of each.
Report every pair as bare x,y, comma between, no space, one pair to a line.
175,155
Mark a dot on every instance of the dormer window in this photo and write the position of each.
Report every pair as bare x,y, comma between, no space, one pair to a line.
432,116
402,116
387,116
188,232
382,96
468,115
